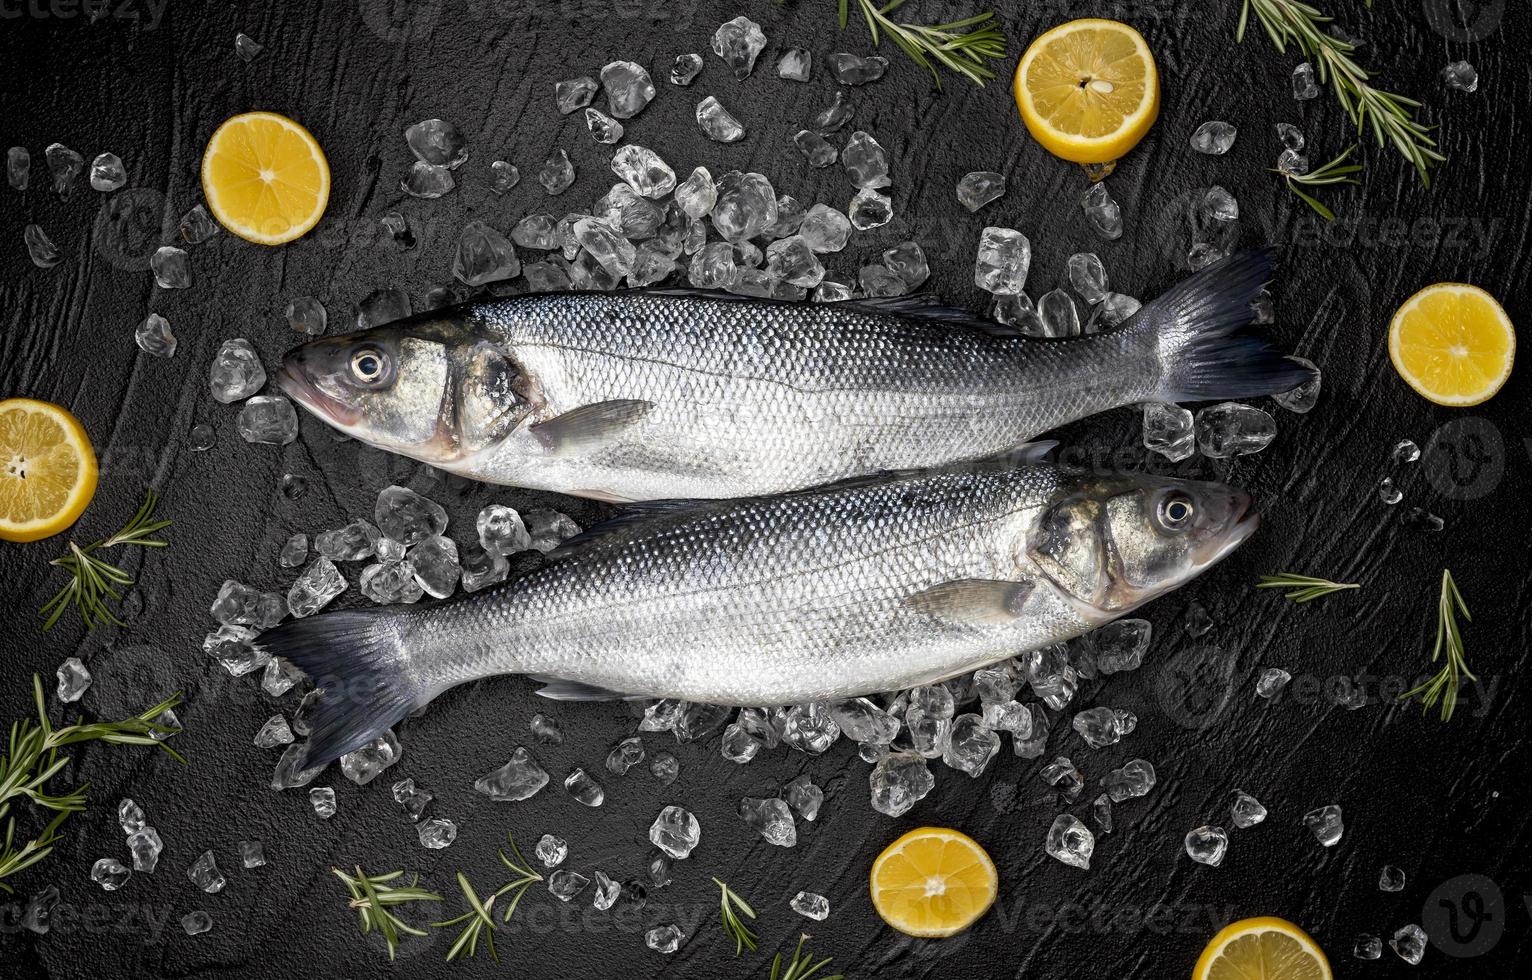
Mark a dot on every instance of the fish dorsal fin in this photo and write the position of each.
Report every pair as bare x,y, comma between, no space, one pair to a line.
589,425
973,601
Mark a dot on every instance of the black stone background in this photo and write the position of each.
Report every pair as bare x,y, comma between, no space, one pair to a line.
1442,801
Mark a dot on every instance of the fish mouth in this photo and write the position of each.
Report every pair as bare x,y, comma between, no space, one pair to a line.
298,387
1242,524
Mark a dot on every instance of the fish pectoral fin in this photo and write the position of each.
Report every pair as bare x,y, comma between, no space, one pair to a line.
973,601
589,425
560,689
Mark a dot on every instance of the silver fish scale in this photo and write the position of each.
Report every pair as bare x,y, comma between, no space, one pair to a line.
768,601
760,397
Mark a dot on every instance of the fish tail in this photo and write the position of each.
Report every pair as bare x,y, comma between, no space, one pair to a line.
359,659
1203,354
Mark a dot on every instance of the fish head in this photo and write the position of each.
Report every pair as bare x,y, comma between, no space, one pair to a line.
1113,543
427,387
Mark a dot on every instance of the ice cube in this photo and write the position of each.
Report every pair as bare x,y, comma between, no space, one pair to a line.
825,229
503,176
1391,879
196,922
739,42
771,818
574,93
697,193
201,438
551,850
863,721
363,765
1460,76
549,528
1196,621
1088,277
412,798
851,70
322,799
1231,429
665,767
405,516
382,306
804,797
353,542
480,568
557,173
519,779
603,128
1103,726
793,260
1367,947
268,420
1203,255
1168,430
675,831
1206,845
1304,85
65,165
427,181
907,261
1292,162
1136,778
716,122
1215,138
1060,315
1272,680
971,745
1246,811
145,845
746,205
628,88
1004,258
1326,824
808,728
1065,776
1101,211
107,173
584,788
391,583
306,315
233,646
644,171
831,291
565,885
1409,942
545,277
436,565
170,267
738,745
436,833
320,582
205,875
483,255
810,906
1304,397
130,816
437,142
664,939
685,69
898,782
247,47
1291,137
1404,451
795,64
1121,645
18,167
236,372
274,732
110,873
1070,841
865,161
287,774
279,677
73,679
40,248
625,755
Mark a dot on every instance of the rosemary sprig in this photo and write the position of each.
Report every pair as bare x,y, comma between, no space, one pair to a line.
32,758
1337,171
1449,638
1303,588
373,897
1392,117
730,907
802,966
478,922
961,45
94,581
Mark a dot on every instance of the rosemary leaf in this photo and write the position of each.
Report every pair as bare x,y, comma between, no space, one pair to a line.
1303,588
1443,687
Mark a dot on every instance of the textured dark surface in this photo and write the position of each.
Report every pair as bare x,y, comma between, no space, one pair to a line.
1441,801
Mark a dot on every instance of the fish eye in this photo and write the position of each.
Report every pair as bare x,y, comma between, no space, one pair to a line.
368,365
1176,511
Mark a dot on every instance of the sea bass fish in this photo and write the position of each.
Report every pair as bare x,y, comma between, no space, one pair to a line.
820,595
659,394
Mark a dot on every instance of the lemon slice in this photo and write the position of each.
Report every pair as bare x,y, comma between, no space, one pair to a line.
265,178
47,469
1263,948
1088,90
933,882
1453,344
